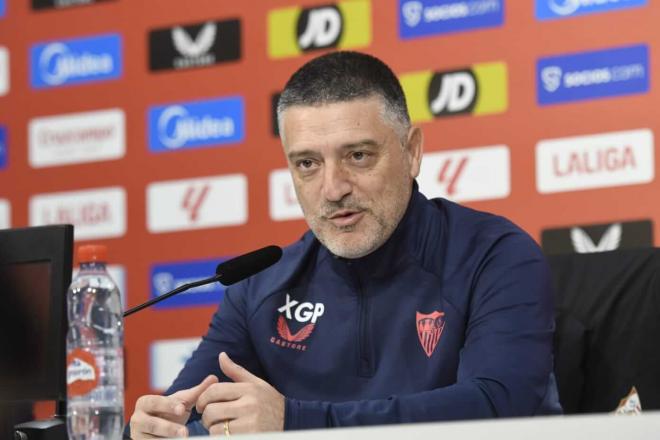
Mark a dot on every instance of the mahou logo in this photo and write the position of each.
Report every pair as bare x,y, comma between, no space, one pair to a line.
304,316
82,373
595,161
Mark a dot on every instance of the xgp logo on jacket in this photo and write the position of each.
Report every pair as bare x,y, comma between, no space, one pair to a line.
295,323
478,90
295,30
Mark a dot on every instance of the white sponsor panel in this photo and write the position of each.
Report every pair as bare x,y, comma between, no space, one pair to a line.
203,202
283,200
94,213
168,358
77,138
595,161
465,175
5,214
4,71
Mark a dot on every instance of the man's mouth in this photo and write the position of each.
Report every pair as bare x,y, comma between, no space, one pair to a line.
345,217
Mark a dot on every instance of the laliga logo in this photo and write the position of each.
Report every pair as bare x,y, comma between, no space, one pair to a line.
176,127
323,28
551,77
58,64
412,13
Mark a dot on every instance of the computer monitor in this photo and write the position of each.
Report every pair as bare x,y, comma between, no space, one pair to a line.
35,272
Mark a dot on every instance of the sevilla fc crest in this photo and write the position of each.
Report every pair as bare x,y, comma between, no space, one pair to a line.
429,330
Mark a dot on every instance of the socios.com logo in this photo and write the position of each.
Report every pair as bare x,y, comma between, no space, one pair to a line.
419,18
196,124
76,61
168,276
552,9
294,30
479,90
589,75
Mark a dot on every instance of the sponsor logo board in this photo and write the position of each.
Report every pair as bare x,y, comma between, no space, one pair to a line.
77,138
295,30
196,124
168,358
76,61
5,214
418,18
4,71
169,276
94,213
586,239
553,9
283,200
466,175
590,75
195,45
203,202
595,161
477,90
3,147
3,8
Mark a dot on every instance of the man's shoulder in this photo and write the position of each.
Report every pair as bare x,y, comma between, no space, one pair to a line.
480,231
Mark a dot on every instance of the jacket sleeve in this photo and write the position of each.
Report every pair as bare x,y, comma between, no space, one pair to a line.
227,332
505,367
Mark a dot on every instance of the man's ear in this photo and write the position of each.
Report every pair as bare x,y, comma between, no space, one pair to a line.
414,150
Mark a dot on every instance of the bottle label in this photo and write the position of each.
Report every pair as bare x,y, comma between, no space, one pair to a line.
82,373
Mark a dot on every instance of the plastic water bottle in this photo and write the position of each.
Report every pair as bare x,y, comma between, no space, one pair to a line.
95,357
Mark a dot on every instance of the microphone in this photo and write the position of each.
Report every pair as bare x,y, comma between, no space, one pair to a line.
227,273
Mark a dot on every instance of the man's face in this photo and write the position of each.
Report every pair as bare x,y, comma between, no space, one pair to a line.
352,175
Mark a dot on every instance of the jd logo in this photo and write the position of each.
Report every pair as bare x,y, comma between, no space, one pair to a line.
452,93
302,312
319,28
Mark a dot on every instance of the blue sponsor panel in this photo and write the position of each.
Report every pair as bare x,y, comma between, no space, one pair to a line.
419,18
591,75
76,61
169,276
3,8
554,9
196,124
3,147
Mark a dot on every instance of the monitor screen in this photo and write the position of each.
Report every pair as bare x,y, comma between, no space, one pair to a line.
35,271
25,318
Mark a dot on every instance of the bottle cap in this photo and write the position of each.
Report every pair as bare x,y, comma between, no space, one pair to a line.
92,252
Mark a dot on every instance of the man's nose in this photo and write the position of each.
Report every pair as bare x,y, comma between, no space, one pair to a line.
336,183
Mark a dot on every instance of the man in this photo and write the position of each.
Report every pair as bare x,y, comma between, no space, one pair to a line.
393,308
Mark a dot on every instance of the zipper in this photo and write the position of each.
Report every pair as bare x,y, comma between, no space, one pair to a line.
365,360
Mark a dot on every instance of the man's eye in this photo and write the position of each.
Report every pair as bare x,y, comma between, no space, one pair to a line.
305,163
359,155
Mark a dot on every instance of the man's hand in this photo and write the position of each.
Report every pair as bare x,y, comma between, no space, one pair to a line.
166,416
250,404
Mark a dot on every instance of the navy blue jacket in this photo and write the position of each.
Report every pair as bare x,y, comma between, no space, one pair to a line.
452,318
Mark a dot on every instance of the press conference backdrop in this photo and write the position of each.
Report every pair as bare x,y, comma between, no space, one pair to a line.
149,125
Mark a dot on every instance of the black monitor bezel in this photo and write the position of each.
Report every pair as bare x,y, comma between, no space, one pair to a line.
52,243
